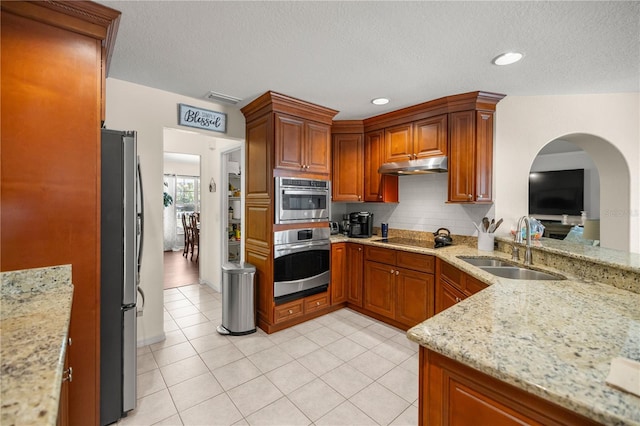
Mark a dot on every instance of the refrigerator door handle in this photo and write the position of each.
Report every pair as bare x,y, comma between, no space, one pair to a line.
141,307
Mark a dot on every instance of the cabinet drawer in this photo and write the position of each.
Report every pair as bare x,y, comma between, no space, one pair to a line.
382,255
452,274
415,261
313,303
473,285
288,311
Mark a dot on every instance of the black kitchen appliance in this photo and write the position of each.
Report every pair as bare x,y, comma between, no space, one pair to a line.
442,237
360,224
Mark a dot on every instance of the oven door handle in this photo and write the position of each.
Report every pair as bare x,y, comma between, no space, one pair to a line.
298,192
302,246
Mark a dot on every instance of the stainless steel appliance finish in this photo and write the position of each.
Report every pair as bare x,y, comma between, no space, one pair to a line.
415,167
238,305
302,200
301,263
360,224
121,248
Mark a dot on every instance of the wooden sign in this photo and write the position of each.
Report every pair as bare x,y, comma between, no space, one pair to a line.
202,118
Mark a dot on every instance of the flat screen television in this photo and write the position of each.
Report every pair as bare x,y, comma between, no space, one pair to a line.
556,192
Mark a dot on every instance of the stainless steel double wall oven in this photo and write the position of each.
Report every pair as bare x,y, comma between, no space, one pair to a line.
301,255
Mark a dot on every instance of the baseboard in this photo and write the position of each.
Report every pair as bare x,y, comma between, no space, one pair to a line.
152,340
210,285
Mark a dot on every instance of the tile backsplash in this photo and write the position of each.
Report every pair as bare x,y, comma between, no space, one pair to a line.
422,207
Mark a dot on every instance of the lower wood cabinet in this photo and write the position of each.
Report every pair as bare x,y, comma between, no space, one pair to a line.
354,269
453,286
338,273
398,285
454,394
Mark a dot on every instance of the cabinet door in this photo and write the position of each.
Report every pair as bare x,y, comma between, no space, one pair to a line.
484,156
317,148
354,267
379,288
377,187
347,168
430,137
446,296
461,156
414,300
338,273
398,144
290,133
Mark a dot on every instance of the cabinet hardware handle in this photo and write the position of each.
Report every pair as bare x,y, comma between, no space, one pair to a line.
359,248
392,271
358,197
69,342
317,303
470,196
290,311
67,375
397,272
458,299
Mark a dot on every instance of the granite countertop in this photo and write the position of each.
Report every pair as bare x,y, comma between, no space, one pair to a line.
34,323
554,339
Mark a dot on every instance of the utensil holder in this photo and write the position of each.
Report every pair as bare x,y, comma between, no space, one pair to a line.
485,241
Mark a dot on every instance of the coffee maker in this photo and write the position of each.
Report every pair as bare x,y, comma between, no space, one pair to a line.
360,224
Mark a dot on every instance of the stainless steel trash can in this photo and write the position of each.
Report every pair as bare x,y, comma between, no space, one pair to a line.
238,305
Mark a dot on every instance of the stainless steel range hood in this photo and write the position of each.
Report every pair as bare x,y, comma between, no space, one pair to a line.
415,167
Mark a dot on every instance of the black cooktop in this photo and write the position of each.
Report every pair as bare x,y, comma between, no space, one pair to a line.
408,242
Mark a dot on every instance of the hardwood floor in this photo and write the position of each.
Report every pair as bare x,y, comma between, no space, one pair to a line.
179,270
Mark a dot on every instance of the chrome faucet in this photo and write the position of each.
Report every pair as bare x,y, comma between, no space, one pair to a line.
518,239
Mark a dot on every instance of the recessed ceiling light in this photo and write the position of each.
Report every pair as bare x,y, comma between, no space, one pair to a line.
380,101
508,58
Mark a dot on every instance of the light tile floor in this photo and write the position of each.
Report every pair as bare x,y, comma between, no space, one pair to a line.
343,368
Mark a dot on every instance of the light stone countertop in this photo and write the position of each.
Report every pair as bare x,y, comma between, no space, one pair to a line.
35,310
554,339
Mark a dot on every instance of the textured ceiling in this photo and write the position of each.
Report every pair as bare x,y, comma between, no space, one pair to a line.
343,54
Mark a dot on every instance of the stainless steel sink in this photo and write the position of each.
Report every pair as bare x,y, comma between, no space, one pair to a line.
516,273
485,261
505,269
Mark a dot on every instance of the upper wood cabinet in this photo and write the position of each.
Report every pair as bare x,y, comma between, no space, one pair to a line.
302,146
470,156
420,139
377,187
430,137
347,170
398,143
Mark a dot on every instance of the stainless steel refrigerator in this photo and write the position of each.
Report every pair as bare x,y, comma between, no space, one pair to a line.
122,231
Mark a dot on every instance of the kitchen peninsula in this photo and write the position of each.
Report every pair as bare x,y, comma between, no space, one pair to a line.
34,322
541,349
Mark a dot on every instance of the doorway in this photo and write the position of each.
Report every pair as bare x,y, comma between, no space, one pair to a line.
182,202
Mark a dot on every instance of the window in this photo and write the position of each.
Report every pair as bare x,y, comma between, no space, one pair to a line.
187,198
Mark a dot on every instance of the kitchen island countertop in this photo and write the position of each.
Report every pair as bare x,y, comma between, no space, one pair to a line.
554,339
35,312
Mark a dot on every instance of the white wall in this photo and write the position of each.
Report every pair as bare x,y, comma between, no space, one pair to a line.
607,126
149,111
182,169
570,161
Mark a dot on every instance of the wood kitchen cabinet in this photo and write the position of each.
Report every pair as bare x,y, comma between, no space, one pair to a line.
453,285
377,187
454,394
398,285
347,169
470,157
420,139
354,273
55,56
302,146
338,273
284,137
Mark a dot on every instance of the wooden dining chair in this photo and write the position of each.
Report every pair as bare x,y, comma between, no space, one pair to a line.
185,227
195,236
